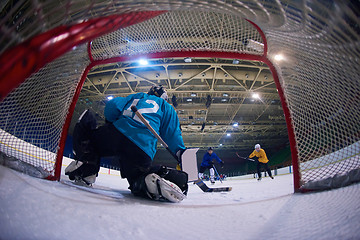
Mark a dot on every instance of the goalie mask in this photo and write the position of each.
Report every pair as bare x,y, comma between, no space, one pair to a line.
158,91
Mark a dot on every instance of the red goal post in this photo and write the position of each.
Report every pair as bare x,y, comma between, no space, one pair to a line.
47,72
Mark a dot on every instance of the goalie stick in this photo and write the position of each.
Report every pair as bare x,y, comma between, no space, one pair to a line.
198,182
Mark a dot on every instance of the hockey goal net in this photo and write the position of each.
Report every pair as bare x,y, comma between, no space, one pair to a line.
47,48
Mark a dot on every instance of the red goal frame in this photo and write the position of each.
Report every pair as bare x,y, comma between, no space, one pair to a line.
21,61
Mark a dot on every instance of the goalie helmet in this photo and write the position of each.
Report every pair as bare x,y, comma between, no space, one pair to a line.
257,146
158,91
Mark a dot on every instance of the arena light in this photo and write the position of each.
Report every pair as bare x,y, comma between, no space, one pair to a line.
235,124
228,134
110,97
279,57
143,62
256,96
187,60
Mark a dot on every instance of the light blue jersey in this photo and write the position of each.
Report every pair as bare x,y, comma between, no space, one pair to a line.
160,115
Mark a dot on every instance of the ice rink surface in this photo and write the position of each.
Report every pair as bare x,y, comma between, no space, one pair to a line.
32,208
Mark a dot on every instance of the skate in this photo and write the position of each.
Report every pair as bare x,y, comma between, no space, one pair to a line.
161,189
79,173
86,181
71,168
212,179
259,179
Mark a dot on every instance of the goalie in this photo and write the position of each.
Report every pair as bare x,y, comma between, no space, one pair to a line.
128,139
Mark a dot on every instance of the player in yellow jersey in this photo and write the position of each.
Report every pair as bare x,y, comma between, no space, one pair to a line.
262,160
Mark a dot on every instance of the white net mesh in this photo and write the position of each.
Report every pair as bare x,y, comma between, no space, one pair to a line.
319,74
32,116
320,78
185,31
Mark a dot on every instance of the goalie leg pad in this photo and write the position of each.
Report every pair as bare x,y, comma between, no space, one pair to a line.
159,189
180,178
140,187
82,146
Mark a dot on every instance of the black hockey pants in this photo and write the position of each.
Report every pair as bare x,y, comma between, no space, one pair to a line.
266,166
109,142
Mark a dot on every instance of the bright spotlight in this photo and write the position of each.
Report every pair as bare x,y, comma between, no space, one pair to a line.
278,57
187,60
256,96
228,134
143,62
236,124
110,97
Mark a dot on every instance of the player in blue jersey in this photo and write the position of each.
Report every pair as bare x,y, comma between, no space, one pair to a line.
208,163
129,140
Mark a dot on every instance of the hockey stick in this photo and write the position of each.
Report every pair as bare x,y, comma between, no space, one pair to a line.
245,158
198,182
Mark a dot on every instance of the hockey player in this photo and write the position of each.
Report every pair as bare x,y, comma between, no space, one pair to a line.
208,163
262,161
128,139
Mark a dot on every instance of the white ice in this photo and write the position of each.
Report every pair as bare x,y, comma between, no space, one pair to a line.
32,208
